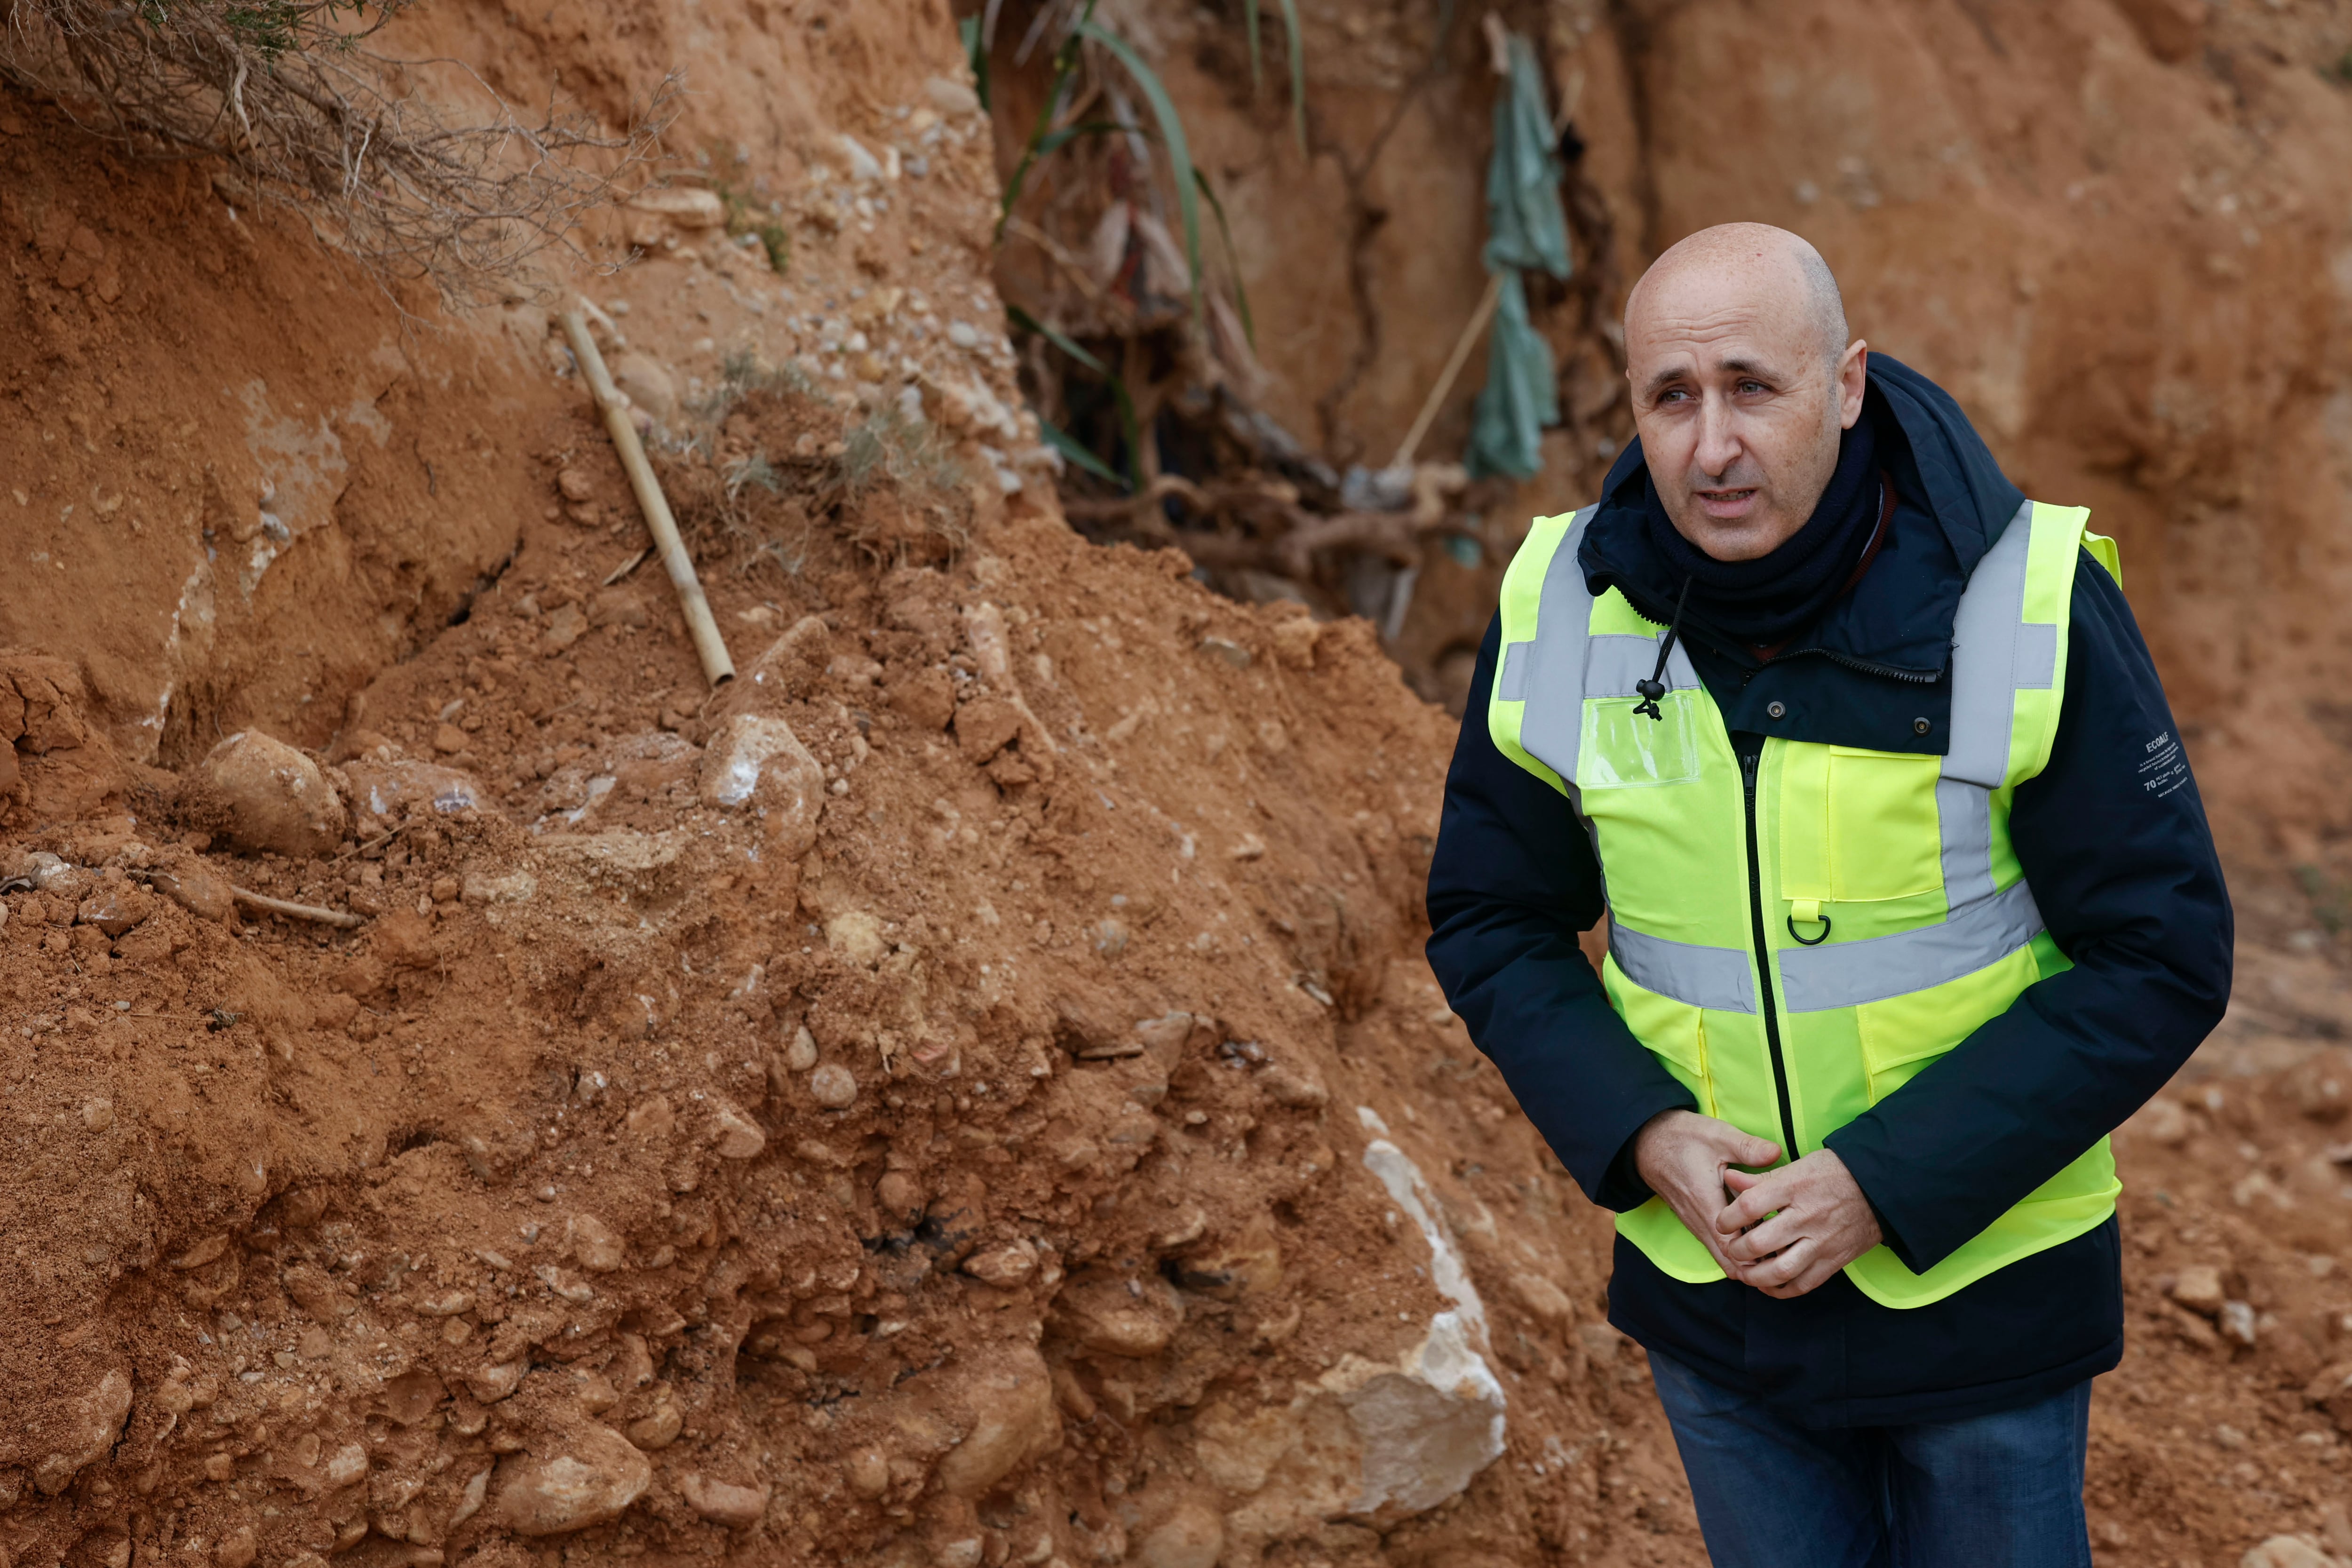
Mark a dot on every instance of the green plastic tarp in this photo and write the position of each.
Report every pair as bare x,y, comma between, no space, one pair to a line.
1526,229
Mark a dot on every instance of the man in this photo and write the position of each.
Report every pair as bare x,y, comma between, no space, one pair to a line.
1911,901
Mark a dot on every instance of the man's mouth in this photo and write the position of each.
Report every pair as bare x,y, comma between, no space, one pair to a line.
1728,505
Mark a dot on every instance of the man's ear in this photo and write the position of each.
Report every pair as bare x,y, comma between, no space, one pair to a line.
1854,380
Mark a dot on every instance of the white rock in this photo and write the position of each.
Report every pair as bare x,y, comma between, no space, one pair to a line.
2237,1323
758,761
963,334
863,166
2286,1551
387,789
682,204
590,1474
346,1464
1375,1440
469,1501
801,1055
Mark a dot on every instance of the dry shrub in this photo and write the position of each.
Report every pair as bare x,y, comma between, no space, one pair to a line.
295,95
772,466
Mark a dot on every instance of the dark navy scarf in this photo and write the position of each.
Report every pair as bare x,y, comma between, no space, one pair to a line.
1773,598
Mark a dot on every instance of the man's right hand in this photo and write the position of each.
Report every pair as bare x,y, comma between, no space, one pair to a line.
1683,1156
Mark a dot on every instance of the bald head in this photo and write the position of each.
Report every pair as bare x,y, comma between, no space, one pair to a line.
1773,264
1743,382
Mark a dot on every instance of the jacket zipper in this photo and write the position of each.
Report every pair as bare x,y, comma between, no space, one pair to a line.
1748,761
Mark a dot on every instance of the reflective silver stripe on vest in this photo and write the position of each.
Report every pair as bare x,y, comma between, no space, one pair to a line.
1548,674
1996,652
1616,661
1878,967
1716,977
1965,813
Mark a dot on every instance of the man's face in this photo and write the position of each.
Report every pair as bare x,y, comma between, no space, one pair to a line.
1740,403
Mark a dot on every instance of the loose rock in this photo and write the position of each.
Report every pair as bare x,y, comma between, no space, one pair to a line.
1192,1536
346,1464
833,1086
687,207
648,385
275,799
724,1502
392,789
1015,1421
758,761
115,909
658,1430
801,1055
96,1419
593,1245
2199,1289
739,1137
1004,1266
2286,1551
589,1476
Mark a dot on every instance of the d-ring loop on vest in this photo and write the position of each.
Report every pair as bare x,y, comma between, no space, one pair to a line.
1810,941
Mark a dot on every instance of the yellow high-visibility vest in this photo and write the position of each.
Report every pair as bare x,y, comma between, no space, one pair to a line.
1797,942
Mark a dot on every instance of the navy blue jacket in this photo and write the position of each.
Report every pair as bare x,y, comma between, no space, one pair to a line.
2114,842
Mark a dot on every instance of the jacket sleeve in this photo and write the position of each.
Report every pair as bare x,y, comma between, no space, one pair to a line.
1513,881
2114,845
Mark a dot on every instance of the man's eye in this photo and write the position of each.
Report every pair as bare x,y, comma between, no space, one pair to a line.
1674,394
1751,387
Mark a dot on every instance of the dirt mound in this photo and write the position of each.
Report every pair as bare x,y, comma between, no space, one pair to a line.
1041,1145
966,1093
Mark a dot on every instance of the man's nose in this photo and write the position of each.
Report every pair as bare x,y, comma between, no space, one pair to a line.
1719,440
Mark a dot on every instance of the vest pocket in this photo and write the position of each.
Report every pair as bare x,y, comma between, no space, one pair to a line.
1621,749
1885,838
1903,1036
1674,1032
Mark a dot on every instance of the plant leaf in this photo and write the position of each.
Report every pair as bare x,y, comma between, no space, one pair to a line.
975,54
1249,22
1065,61
1062,441
1171,132
1029,323
1297,70
1232,257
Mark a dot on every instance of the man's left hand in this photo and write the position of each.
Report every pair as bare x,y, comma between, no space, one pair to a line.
1819,1222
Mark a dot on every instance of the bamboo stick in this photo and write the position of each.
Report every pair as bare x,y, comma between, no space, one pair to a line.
1445,383
717,668
297,911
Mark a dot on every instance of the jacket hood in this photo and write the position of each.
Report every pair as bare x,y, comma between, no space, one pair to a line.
1952,503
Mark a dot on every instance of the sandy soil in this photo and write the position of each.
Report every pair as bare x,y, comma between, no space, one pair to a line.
968,1092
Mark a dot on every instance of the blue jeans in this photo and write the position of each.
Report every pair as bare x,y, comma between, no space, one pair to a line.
1993,1491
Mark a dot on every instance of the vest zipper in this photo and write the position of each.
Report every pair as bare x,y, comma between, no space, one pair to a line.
1749,763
